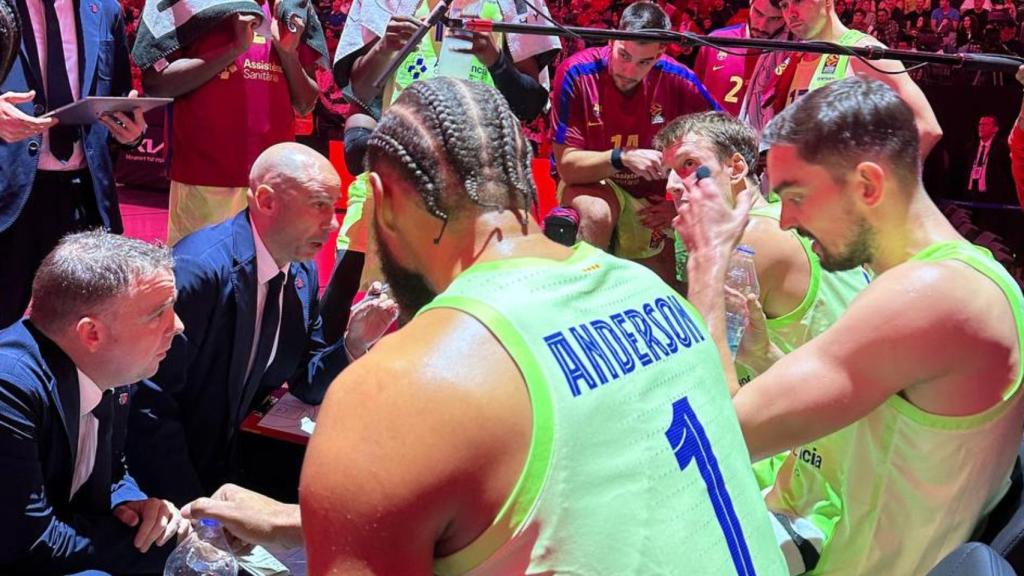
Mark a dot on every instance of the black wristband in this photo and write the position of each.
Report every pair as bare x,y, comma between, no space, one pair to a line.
617,159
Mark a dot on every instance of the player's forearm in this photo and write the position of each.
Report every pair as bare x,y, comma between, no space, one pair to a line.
301,87
185,74
585,166
706,274
367,68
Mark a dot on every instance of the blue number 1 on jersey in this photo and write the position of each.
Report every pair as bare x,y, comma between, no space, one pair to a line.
689,442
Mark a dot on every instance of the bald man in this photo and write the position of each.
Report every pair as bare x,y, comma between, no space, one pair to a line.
248,295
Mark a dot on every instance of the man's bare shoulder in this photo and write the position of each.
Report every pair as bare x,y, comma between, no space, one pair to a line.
430,430
945,318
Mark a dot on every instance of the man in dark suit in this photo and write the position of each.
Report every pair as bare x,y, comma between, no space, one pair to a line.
985,166
102,318
55,179
248,295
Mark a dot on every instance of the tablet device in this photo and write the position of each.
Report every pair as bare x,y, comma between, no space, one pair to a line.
89,109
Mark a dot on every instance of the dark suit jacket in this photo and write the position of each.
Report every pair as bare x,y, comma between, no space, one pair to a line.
42,532
999,187
105,72
191,413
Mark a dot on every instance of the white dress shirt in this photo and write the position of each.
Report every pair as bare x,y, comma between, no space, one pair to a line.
88,428
266,269
69,34
979,168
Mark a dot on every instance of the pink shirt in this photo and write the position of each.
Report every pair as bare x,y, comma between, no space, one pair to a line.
221,127
69,34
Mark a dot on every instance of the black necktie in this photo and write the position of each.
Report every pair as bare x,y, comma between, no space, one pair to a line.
265,342
58,87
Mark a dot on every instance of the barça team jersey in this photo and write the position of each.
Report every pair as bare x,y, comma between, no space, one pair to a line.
726,75
588,112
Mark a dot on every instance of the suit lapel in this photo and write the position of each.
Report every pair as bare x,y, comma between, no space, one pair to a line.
29,52
89,20
243,280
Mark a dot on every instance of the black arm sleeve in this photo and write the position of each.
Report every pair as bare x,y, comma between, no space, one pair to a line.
524,94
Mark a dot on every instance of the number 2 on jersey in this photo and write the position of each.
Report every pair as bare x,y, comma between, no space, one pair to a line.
733,95
691,446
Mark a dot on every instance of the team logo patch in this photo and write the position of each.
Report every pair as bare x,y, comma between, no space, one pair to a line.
299,284
781,68
656,114
831,64
227,72
94,8
722,55
597,111
122,399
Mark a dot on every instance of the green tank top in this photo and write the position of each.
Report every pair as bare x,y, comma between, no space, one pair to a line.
897,490
423,62
636,464
828,295
827,69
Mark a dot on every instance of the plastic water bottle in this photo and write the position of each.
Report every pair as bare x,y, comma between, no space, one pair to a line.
463,64
204,553
741,277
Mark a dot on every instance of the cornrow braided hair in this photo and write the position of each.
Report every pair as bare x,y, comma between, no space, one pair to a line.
455,141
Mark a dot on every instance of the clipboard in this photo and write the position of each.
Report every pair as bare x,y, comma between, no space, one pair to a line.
89,109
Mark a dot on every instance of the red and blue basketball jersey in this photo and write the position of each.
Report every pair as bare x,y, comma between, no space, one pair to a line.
588,112
726,75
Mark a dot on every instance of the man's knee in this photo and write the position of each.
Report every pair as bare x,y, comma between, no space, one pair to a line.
598,210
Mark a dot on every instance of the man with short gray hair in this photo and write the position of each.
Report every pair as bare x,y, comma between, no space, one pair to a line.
102,318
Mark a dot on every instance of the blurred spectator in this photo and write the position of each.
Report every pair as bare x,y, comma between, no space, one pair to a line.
975,7
968,33
868,6
1008,40
895,9
845,12
859,21
944,12
887,31
983,169
335,19
719,15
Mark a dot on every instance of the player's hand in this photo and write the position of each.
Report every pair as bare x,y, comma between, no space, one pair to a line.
286,37
157,520
245,32
659,215
483,47
126,128
250,516
646,164
399,31
369,320
15,125
755,343
704,220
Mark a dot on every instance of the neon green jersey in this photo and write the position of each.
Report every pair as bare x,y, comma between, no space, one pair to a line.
636,462
423,62
828,296
897,490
